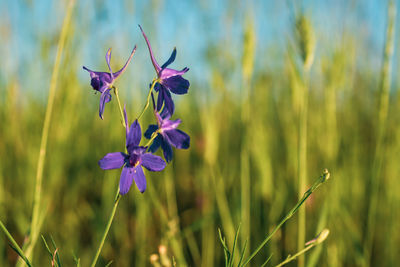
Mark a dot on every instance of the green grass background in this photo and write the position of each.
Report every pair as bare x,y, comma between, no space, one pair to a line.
242,166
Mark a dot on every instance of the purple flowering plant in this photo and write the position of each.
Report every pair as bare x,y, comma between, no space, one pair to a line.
164,134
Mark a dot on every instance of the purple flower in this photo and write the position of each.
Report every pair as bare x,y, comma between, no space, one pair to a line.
168,80
133,161
167,135
103,81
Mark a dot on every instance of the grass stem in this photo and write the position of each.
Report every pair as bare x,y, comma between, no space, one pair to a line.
382,121
302,163
321,238
14,244
35,222
318,182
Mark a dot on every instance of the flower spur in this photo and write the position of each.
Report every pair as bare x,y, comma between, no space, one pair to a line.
168,80
103,81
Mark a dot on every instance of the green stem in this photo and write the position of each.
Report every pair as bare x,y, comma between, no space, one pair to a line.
375,182
302,164
15,244
291,258
35,225
316,241
165,220
153,136
148,98
120,108
117,198
320,180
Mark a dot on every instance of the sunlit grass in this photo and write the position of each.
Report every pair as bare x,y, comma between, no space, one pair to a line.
242,167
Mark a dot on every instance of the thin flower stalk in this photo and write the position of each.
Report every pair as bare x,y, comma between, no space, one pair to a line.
148,98
119,106
107,229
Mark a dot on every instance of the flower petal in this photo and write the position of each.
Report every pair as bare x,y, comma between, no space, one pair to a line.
160,98
165,114
140,179
170,60
101,81
156,144
168,125
153,60
178,138
169,103
125,181
118,73
152,128
108,58
167,72
104,98
157,87
91,73
177,84
134,136
113,160
152,162
104,76
167,150
96,84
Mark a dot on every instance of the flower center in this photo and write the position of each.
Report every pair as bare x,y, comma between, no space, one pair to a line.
96,83
134,160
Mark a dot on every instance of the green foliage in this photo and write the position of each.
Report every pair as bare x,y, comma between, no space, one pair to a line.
232,139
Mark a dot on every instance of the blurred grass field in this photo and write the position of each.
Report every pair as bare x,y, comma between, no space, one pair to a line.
242,166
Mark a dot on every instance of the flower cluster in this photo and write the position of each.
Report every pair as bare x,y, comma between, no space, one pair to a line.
164,134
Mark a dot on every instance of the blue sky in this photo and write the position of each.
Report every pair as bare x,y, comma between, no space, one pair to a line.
191,26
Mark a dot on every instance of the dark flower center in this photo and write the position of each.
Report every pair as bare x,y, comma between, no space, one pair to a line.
96,83
134,160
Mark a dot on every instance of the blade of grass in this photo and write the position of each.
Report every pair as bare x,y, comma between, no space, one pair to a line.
46,246
248,58
321,238
234,246
155,198
56,254
242,253
382,121
222,201
304,37
77,260
318,182
226,250
35,225
266,262
14,244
